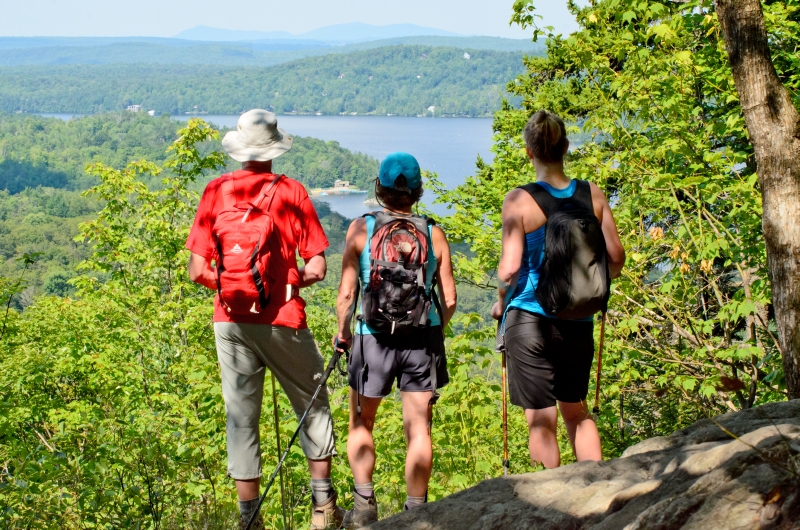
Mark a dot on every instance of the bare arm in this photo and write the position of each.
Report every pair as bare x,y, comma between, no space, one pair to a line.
513,247
200,271
314,270
444,273
616,254
346,299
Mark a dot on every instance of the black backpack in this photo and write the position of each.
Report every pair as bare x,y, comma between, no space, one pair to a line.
395,300
574,281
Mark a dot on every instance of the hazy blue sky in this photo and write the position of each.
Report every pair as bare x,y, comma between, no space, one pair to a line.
165,18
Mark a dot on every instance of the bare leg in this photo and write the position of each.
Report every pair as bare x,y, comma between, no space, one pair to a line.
247,489
360,445
542,441
582,431
419,458
320,468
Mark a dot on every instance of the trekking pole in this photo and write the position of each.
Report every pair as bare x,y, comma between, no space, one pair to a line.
325,376
500,345
505,419
596,409
278,446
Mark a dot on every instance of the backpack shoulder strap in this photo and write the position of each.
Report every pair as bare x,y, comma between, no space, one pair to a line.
228,191
269,190
370,220
583,194
432,265
546,202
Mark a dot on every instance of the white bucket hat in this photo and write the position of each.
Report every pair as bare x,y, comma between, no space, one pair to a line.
256,138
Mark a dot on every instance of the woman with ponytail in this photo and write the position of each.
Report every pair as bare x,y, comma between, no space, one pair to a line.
549,359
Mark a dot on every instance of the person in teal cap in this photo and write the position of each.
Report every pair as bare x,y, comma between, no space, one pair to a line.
413,356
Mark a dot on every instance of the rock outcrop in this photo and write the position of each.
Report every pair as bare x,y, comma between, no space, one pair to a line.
737,471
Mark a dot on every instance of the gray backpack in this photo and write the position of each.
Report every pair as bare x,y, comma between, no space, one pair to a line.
574,281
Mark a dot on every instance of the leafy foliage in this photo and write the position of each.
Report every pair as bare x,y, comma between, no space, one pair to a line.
37,151
110,404
46,153
650,85
110,409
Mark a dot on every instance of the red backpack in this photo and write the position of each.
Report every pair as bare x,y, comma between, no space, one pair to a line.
395,299
241,235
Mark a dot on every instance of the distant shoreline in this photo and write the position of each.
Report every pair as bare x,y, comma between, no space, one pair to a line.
69,115
325,192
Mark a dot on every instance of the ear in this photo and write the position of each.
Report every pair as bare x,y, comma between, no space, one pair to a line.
530,153
566,147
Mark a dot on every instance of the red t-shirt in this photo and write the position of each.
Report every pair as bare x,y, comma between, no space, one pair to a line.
297,229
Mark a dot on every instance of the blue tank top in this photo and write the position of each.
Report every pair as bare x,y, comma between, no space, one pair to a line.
524,296
363,268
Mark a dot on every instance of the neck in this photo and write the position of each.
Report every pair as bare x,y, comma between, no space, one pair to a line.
551,173
258,167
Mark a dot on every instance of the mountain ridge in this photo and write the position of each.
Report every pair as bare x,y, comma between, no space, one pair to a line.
29,51
336,33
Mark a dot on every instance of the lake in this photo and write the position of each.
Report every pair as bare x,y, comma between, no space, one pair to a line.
447,146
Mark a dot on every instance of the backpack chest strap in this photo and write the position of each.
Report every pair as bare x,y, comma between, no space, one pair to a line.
409,266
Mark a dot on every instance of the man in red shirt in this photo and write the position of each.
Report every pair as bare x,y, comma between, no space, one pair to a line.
277,337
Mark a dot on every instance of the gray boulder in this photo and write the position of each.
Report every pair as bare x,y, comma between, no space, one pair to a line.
737,471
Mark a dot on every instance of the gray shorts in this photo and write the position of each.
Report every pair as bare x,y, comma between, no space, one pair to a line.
245,352
378,360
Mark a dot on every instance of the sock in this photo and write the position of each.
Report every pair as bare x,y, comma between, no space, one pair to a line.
413,502
246,508
321,489
365,490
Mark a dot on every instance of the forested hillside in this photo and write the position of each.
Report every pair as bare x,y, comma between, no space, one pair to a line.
38,151
402,80
18,51
43,173
110,407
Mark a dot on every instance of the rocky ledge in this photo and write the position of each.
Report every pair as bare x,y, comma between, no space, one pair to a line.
737,471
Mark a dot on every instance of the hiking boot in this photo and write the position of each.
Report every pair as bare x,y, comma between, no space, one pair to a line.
364,512
326,516
258,524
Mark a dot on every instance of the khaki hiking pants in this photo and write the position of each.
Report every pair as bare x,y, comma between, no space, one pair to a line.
245,352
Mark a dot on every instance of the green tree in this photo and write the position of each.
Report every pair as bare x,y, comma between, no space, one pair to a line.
57,284
649,85
402,80
773,122
110,405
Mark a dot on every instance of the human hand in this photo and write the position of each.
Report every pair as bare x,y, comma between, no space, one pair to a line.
497,311
343,341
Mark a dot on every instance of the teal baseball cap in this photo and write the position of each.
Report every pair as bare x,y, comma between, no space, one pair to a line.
397,164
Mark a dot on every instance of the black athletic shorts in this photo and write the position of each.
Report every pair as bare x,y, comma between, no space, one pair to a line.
378,360
548,359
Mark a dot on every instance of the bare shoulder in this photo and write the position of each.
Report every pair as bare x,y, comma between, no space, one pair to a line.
357,226
515,196
517,201
599,201
438,234
597,194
